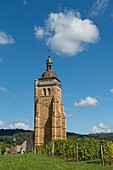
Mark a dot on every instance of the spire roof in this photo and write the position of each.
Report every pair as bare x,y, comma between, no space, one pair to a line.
49,73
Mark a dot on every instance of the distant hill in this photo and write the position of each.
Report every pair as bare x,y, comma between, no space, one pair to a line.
106,136
7,135
10,132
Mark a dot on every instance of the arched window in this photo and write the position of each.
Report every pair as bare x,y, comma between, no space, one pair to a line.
49,92
44,92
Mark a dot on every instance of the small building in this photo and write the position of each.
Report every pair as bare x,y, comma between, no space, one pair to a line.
26,146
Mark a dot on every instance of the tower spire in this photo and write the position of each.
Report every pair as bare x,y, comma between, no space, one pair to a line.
49,64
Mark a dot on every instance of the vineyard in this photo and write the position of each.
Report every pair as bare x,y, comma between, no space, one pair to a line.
83,149
74,154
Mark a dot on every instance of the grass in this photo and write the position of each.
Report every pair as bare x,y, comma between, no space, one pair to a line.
43,162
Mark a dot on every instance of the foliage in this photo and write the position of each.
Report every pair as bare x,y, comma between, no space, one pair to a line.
6,135
20,138
105,136
88,149
10,132
4,149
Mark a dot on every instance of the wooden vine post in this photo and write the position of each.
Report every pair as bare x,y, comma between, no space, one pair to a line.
76,152
46,149
102,155
35,150
52,148
63,150
110,161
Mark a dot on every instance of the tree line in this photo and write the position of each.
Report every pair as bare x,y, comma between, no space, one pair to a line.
7,135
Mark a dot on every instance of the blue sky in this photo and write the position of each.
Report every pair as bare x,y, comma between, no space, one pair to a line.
79,34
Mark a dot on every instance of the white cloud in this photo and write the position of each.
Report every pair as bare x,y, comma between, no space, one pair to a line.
2,123
14,96
111,15
6,38
19,126
99,7
3,90
22,120
24,2
88,101
1,60
70,115
39,32
25,93
109,130
66,33
111,90
100,128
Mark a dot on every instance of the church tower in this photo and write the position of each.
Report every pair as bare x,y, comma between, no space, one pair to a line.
49,118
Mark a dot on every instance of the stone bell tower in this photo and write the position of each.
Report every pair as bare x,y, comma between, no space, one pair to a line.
49,118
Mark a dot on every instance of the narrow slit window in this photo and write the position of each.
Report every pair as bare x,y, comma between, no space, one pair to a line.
44,92
49,92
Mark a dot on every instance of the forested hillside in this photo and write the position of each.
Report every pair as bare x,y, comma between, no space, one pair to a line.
9,132
106,136
7,135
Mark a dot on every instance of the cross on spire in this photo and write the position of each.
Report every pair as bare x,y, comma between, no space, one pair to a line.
49,51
